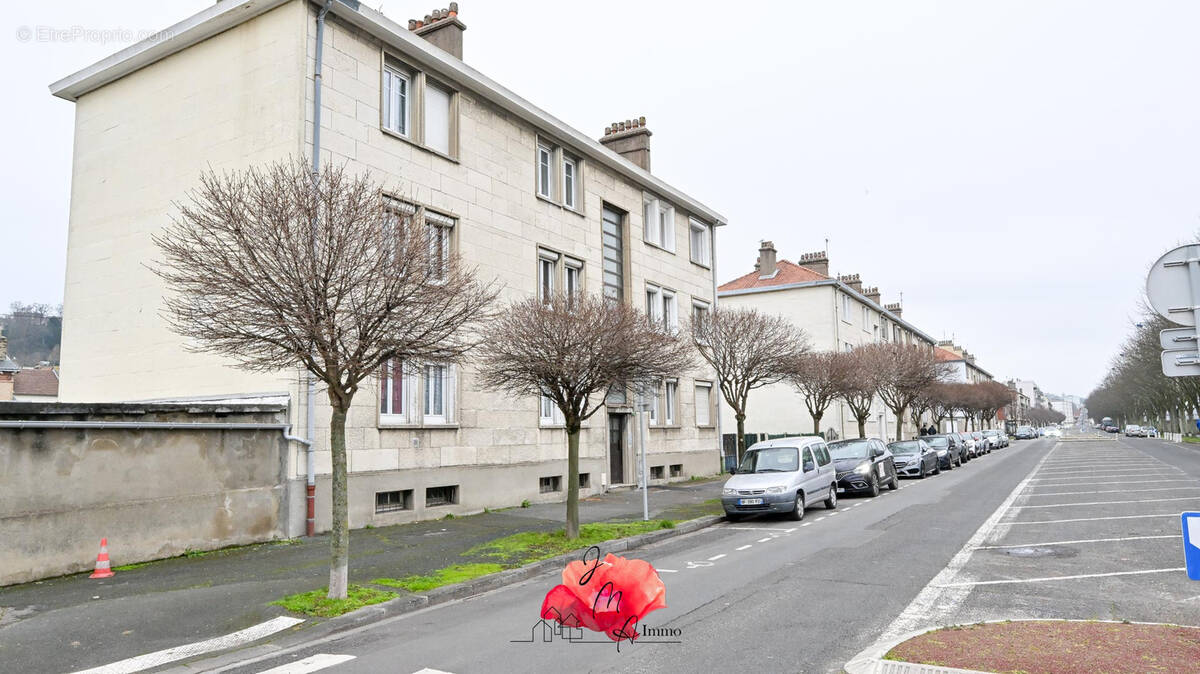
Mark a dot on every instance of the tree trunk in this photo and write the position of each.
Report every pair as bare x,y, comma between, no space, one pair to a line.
573,481
816,416
339,539
741,438
862,427
899,424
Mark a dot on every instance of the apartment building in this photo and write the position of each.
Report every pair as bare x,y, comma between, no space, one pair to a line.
521,196
837,313
963,370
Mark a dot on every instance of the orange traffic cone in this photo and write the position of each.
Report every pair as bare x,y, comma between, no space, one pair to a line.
103,568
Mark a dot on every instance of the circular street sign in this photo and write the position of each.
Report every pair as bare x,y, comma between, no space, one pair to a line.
1169,287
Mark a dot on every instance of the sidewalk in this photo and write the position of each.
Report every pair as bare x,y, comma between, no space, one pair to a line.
72,622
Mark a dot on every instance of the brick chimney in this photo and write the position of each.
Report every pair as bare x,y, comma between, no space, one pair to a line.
853,281
442,29
630,139
872,294
818,262
766,264
894,308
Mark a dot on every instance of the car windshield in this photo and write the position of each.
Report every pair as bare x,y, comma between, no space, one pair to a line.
906,447
850,449
938,441
771,460
1025,429
991,433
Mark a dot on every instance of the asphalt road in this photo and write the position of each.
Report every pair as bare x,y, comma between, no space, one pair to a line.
763,594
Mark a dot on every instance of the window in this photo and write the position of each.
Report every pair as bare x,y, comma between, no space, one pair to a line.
848,347
440,228
659,219
654,304
846,308
652,401
822,453
703,404
573,275
438,384
570,181
439,496
389,501
437,119
699,311
866,317
809,465
545,172
547,266
699,242
670,312
672,389
657,472
677,470
548,412
612,241
661,308
549,484
396,87
585,480
394,389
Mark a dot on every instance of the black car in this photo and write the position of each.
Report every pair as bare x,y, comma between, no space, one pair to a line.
915,458
863,465
950,452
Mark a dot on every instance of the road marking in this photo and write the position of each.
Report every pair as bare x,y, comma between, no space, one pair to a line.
832,513
159,658
1112,491
821,517
1085,540
1089,477
1135,472
666,570
764,540
696,565
806,524
312,663
1092,503
744,547
788,531
715,557
431,671
1097,519
1052,578
762,529
1072,484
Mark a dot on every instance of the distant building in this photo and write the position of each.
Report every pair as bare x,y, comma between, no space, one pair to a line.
8,368
964,370
36,384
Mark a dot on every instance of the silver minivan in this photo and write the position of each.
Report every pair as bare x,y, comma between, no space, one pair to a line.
784,475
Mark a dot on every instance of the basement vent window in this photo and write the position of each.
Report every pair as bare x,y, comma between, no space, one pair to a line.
677,470
657,472
388,501
585,480
440,496
549,484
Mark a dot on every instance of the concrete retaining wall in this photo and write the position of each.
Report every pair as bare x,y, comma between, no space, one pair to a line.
153,493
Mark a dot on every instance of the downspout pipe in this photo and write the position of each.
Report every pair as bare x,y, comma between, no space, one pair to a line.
715,392
310,467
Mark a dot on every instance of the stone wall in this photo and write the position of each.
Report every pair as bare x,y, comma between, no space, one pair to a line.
153,492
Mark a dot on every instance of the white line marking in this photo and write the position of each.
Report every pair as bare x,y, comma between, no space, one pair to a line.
936,599
1095,475
163,657
764,540
1097,519
744,547
821,517
1086,540
666,570
1092,503
762,529
1045,580
806,524
431,671
312,663
1112,491
788,531
1073,484
715,557
832,513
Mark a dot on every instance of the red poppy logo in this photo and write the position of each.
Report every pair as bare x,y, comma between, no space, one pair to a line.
608,596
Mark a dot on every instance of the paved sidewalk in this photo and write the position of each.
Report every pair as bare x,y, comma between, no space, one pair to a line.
72,622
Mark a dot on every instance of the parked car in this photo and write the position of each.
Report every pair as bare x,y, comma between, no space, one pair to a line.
1134,431
915,458
972,446
784,475
863,465
1149,432
981,443
950,452
995,438
1053,432
1025,433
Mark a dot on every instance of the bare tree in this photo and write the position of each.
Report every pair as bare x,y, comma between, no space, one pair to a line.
276,268
818,377
859,382
749,350
573,350
941,405
905,370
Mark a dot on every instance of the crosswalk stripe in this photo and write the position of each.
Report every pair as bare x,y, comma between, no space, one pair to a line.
221,643
312,663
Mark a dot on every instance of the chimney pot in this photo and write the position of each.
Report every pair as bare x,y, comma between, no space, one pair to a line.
443,29
767,261
817,262
412,24
630,139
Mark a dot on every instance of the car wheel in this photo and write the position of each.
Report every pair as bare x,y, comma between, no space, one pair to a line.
937,467
875,486
797,513
831,502
733,517
921,475
895,483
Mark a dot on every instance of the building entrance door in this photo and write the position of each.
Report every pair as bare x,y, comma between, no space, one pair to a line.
616,448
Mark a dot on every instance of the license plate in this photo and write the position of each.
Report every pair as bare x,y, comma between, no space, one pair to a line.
749,501
841,490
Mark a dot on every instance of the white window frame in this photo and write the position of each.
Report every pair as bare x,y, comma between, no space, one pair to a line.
547,274
845,307
396,122
708,407
426,103
446,386
700,308
671,402
702,233
654,304
652,416
866,312
441,233
658,223
388,413
670,311
572,277
570,181
548,412
545,165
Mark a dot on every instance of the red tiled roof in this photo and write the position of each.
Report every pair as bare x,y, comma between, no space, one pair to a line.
788,272
945,355
35,383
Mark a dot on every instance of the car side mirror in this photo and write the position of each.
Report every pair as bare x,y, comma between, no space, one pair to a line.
876,453
809,466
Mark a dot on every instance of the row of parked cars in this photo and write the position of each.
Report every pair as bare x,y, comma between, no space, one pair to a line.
1136,431
790,475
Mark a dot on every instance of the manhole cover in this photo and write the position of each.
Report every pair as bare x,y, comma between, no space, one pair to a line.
1057,551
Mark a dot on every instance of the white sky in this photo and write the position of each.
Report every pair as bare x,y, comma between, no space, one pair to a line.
1012,167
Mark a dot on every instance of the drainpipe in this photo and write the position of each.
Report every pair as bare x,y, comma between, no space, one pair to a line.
715,391
310,469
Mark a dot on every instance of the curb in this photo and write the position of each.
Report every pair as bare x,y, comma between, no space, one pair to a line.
870,660
393,609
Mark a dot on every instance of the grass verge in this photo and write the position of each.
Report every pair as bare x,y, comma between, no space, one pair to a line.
533,546
316,604
130,567
457,573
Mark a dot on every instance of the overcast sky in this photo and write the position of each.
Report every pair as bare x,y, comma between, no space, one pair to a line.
1012,167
